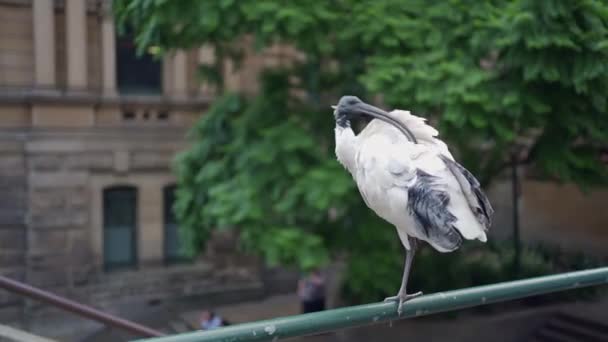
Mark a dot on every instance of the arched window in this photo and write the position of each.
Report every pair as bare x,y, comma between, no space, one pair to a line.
173,245
119,227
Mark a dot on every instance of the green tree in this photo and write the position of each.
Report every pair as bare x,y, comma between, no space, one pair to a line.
499,78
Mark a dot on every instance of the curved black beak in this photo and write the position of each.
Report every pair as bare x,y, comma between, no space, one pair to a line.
366,109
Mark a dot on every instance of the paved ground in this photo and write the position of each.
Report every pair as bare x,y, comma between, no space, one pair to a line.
502,324
276,306
10,334
272,307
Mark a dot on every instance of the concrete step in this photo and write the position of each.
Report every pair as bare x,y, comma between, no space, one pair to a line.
179,326
562,327
586,323
548,335
574,333
271,307
10,334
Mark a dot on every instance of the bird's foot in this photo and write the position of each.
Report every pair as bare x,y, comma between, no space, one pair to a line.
402,298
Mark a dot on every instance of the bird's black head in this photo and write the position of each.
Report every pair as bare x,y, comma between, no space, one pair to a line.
351,107
348,108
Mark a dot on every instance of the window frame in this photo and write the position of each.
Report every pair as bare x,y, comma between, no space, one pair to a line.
127,56
133,262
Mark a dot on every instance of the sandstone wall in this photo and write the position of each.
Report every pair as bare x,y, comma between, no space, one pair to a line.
52,177
16,48
13,237
554,214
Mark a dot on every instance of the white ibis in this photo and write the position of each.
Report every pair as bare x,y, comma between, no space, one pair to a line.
408,177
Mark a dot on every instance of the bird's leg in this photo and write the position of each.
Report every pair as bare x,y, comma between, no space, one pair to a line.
402,296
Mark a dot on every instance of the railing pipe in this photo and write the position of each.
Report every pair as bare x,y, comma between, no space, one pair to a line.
77,308
330,320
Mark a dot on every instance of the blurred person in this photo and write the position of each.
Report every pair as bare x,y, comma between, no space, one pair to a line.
210,320
311,290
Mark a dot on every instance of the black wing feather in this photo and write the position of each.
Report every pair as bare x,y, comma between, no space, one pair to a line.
428,204
481,207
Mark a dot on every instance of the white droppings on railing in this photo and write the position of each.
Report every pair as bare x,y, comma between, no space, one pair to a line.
270,329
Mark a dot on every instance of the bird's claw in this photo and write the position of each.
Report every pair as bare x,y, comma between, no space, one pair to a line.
402,298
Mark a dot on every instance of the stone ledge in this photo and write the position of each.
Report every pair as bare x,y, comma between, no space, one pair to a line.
105,280
12,217
94,98
11,313
12,239
12,258
12,163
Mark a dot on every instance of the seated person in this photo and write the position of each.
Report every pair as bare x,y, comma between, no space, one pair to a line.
210,320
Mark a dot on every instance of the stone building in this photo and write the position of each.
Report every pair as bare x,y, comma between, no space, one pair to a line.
87,135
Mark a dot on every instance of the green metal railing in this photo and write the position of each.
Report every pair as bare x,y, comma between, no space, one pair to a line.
330,320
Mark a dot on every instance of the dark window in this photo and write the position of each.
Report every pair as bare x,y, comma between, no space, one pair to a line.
173,246
128,115
119,227
162,116
136,74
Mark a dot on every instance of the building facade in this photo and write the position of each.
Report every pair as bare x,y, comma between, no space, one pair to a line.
88,131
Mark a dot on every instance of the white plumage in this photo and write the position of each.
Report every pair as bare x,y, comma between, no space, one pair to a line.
415,185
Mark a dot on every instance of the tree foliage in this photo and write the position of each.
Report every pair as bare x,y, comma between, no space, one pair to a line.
507,71
498,78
